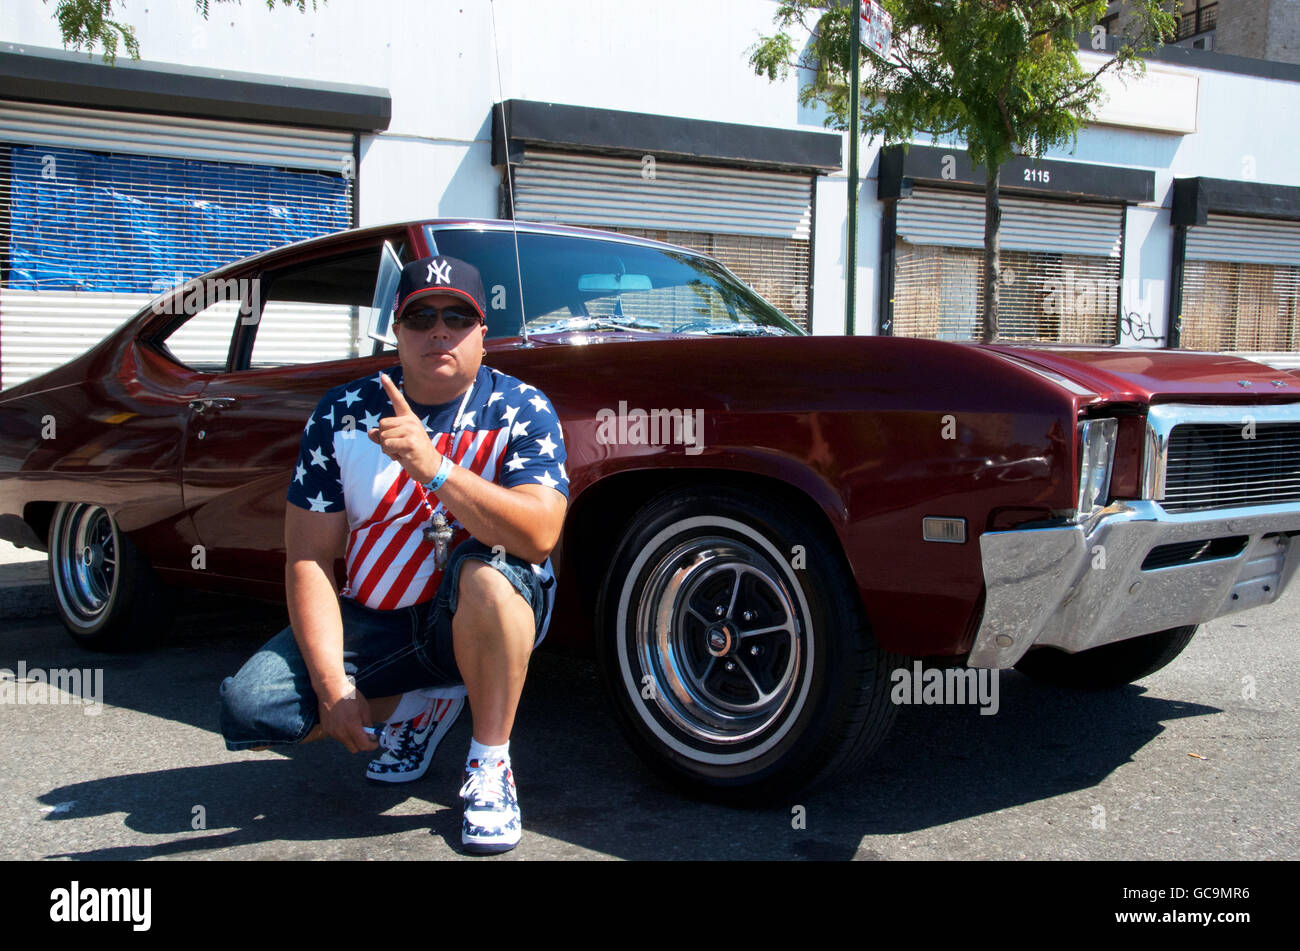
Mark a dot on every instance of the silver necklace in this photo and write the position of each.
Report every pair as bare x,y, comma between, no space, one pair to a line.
438,532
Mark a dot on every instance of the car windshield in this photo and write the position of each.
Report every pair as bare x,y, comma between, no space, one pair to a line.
593,285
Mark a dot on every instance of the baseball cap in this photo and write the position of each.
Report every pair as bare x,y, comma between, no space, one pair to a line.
440,275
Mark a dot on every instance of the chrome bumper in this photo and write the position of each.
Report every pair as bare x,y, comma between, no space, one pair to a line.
1081,586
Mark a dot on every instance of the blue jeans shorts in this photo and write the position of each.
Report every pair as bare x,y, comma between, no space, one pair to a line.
271,701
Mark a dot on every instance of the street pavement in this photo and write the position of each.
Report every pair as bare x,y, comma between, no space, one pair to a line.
1198,761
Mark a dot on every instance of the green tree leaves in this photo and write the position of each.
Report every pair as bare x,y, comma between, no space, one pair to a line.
88,24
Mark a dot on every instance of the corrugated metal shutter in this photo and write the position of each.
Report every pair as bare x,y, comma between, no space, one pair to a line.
758,224
614,192
101,210
1245,241
43,330
1060,269
1241,286
98,130
956,220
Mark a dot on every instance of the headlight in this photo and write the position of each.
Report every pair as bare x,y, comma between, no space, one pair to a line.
1097,461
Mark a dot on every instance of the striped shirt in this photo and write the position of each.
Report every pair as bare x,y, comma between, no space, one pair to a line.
507,433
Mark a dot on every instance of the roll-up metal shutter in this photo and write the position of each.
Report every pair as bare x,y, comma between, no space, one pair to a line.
1060,261
956,220
100,210
757,223
1241,286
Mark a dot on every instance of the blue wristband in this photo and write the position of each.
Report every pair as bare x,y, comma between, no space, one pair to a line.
444,470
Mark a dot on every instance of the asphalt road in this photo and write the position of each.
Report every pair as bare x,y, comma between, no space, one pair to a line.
1054,774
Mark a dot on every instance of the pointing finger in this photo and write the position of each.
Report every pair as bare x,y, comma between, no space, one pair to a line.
400,406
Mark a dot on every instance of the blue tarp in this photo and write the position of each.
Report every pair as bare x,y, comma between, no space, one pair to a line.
126,223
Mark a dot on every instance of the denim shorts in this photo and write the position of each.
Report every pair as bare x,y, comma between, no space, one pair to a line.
271,701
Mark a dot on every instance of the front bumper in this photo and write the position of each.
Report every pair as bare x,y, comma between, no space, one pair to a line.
1080,586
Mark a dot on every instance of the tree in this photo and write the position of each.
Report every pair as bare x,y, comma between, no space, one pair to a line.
1002,75
86,24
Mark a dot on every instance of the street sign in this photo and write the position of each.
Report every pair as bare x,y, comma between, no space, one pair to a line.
875,28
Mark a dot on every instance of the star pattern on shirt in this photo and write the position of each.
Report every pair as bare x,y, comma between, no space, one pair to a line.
526,423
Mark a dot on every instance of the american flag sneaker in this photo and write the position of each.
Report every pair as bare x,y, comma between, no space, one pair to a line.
490,808
408,746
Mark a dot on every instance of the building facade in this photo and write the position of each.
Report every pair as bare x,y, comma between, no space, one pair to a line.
1174,221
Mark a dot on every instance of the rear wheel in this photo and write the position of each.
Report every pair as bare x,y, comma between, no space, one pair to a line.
736,654
106,593
1111,665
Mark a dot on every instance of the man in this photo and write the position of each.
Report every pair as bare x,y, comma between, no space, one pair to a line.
443,484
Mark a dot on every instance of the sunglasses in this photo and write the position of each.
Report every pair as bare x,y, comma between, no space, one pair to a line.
455,316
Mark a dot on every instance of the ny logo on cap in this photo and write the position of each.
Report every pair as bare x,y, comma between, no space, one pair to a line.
443,273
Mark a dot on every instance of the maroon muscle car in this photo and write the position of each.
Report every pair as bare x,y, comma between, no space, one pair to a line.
763,525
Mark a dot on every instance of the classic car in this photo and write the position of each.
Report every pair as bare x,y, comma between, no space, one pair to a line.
763,525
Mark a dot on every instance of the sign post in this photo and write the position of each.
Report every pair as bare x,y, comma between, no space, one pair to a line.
875,32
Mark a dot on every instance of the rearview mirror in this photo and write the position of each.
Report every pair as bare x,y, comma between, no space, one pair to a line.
614,283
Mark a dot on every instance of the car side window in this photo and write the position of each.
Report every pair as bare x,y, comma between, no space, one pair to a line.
201,342
316,312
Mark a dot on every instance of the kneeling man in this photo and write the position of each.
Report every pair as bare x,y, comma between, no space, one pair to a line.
442,484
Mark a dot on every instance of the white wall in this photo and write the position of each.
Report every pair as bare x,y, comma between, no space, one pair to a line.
673,57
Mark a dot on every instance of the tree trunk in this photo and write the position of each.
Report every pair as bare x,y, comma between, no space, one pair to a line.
992,252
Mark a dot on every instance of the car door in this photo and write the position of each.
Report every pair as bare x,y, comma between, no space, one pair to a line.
307,332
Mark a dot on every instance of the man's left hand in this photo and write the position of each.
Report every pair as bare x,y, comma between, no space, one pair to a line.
403,437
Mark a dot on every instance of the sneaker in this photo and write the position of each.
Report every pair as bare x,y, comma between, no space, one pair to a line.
490,818
408,746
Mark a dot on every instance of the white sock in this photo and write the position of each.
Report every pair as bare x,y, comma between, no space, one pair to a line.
412,704
488,754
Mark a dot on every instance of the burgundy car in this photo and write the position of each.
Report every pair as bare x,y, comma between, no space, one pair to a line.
763,525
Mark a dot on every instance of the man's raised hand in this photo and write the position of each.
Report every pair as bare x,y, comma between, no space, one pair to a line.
403,437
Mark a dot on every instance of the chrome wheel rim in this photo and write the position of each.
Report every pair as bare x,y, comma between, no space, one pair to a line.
85,553
719,632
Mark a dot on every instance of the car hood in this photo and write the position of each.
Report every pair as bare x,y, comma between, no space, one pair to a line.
1146,376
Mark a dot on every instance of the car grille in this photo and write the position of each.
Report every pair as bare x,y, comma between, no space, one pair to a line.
1214,465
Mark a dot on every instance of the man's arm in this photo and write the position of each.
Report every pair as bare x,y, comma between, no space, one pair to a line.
312,541
525,520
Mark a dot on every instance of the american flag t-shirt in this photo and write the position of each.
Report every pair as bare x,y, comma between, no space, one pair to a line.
508,433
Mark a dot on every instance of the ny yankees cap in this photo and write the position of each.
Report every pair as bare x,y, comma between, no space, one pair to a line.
440,275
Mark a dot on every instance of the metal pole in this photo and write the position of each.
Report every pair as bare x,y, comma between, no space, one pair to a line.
851,286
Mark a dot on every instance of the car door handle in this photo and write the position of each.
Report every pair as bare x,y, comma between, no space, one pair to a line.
211,402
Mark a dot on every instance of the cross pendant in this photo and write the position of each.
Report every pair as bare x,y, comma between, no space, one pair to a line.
439,533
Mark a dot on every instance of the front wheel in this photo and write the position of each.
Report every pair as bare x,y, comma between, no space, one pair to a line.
735,650
1111,665
106,594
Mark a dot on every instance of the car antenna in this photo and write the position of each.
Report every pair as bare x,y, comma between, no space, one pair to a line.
510,180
